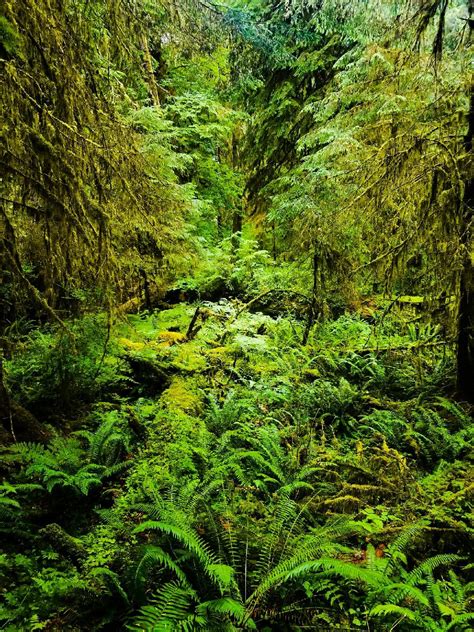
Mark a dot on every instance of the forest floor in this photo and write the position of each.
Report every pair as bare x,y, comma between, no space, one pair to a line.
220,419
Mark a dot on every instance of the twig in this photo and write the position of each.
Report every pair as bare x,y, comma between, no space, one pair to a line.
191,332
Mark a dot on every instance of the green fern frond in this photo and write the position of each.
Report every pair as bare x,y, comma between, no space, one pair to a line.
172,604
455,410
218,573
110,578
27,452
224,605
384,610
461,622
286,513
153,556
295,568
118,468
402,590
222,574
427,567
398,547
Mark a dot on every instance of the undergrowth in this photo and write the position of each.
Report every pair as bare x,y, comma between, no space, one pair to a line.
231,478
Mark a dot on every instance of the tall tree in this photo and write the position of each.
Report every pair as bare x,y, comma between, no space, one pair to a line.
371,164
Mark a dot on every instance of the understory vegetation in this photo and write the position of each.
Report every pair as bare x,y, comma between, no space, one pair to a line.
236,315
232,478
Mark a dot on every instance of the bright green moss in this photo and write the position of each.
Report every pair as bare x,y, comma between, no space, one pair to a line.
183,396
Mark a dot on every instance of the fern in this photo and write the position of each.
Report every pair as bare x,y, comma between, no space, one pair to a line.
427,567
177,607
109,443
172,605
392,609
155,556
295,568
461,622
220,574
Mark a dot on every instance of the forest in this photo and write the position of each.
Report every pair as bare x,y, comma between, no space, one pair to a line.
236,315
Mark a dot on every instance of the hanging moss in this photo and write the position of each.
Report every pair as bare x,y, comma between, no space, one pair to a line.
79,198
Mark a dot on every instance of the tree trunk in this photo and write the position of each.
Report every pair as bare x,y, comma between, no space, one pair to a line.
146,289
151,80
465,350
17,423
237,216
313,308
465,347
236,228
274,243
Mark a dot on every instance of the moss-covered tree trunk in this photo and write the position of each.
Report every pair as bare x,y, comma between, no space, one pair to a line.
465,352
313,308
150,74
465,349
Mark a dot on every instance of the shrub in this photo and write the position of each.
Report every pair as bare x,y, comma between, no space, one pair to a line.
57,367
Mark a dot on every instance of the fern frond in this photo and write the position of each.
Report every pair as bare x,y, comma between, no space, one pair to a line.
400,544
295,569
154,555
459,621
172,604
224,605
431,564
220,574
111,578
392,609
403,590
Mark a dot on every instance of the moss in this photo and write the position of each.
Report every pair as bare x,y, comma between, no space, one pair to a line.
177,447
409,299
219,352
172,337
220,356
182,396
177,318
264,366
190,359
131,345
312,374
10,39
